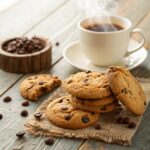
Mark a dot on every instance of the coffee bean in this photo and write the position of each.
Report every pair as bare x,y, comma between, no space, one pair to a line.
1,116
97,126
119,120
38,115
20,134
57,44
132,125
67,117
64,108
7,99
49,141
126,120
25,103
24,113
85,119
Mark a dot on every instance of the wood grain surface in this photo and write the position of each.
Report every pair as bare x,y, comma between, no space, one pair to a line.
57,21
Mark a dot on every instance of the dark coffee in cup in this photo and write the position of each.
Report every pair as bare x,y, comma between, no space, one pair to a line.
104,27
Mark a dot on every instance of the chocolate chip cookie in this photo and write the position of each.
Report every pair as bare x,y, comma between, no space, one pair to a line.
87,85
127,89
35,86
63,114
105,105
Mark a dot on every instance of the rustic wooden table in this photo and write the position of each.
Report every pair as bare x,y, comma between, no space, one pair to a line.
57,21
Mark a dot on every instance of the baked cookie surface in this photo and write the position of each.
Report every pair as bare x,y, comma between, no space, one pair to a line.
105,105
35,86
87,85
127,89
63,114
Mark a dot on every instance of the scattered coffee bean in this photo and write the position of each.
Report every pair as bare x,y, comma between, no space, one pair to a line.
97,126
7,99
49,141
38,115
132,125
64,108
126,120
25,103
1,116
67,117
20,134
57,44
119,120
24,113
85,119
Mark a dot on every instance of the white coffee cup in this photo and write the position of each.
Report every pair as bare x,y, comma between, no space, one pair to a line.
107,48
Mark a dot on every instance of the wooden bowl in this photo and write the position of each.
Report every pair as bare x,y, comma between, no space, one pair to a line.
26,63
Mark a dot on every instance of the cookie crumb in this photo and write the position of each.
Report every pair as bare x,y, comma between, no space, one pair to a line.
57,43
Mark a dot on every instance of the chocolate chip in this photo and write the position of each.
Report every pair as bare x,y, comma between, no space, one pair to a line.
103,108
97,126
25,103
41,82
85,119
67,117
7,99
64,108
61,101
88,71
84,81
92,113
20,134
49,141
1,116
38,115
119,120
69,81
130,92
57,43
132,125
126,120
24,113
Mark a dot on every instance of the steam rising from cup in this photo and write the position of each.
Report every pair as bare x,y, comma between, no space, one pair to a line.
98,8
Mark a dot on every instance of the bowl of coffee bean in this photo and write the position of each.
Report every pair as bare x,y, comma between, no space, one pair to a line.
25,55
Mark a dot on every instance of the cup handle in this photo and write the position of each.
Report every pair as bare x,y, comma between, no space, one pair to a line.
139,31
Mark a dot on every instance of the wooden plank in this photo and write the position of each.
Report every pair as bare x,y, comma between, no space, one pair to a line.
25,15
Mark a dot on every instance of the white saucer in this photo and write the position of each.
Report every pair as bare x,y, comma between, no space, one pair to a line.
75,56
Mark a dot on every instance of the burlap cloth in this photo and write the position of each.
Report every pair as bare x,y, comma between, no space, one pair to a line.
111,132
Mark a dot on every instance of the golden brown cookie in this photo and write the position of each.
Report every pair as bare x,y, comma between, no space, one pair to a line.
35,86
87,85
127,89
94,105
63,114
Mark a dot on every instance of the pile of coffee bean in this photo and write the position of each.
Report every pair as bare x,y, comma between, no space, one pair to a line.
24,45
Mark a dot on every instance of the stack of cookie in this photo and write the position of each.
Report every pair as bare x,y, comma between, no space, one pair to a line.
94,93
90,92
89,96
